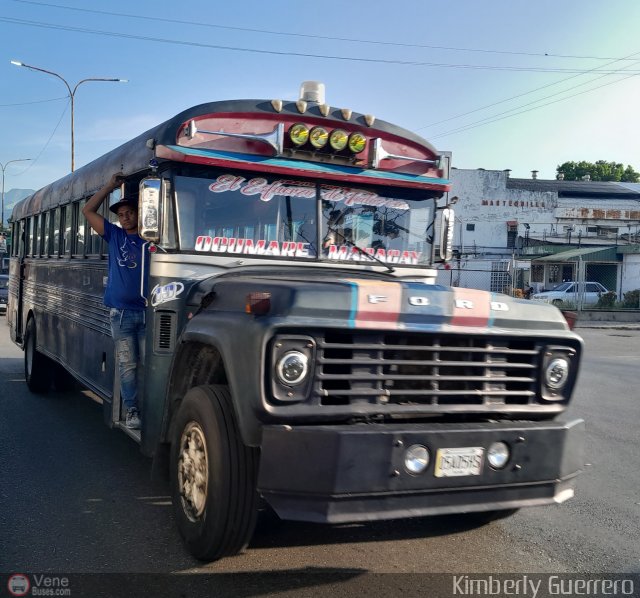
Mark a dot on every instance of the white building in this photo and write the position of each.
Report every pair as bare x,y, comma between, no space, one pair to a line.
549,231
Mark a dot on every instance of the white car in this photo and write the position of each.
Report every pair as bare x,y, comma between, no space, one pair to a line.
573,293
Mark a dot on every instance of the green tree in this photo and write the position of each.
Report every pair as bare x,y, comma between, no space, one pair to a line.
598,171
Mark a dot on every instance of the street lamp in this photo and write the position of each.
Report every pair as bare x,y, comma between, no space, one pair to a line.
4,167
72,93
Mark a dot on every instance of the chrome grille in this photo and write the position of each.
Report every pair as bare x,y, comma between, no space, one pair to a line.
425,369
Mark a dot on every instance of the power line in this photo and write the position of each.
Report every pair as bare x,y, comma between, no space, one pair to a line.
490,120
594,70
295,54
33,162
34,102
309,35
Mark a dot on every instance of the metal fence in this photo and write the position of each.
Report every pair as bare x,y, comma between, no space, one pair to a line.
572,285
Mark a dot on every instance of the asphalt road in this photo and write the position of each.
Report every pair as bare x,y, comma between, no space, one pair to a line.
77,497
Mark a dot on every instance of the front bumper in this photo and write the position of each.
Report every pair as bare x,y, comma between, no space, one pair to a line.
339,474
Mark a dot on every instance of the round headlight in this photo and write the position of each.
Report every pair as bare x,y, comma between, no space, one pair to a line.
357,142
338,139
318,137
292,367
299,134
416,458
557,373
498,455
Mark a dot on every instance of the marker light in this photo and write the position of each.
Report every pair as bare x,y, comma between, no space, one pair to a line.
416,459
318,137
299,134
258,303
357,142
338,139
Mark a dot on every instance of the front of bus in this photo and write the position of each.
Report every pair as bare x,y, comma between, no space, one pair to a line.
296,244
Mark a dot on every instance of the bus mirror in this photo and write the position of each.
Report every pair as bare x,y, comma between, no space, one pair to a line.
149,209
445,249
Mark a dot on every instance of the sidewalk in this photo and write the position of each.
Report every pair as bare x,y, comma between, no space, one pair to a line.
608,325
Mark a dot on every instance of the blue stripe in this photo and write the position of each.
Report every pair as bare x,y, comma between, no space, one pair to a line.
308,166
492,318
354,304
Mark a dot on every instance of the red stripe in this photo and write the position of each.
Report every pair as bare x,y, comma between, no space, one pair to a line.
471,307
378,304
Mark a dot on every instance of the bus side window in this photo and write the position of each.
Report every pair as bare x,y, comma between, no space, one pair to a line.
65,228
28,237
94,240
17,238
44,234
79,227
35,236
48,238
56,232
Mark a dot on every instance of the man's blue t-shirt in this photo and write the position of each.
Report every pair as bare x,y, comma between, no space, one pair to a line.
125,268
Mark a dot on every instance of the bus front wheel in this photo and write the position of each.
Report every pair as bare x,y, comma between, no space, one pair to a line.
213,476
38,368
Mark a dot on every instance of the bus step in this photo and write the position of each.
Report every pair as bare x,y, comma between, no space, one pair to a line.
135,434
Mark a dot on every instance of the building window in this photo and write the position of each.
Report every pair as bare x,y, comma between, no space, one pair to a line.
512,233
537,273
471,226
500,277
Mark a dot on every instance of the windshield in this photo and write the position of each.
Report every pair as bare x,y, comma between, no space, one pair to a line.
565,286
277,217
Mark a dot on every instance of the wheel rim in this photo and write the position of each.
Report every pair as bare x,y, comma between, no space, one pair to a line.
193,471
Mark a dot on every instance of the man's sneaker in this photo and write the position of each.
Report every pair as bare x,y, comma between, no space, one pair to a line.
133,419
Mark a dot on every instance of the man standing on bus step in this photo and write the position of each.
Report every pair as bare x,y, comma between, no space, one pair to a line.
123,292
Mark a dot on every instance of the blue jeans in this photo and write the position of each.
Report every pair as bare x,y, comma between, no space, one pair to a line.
127,328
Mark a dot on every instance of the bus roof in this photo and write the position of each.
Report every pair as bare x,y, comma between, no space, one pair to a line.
234,134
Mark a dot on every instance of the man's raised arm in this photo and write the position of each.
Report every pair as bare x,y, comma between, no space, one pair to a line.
90,209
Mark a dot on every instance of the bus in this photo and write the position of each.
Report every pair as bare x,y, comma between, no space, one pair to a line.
300,356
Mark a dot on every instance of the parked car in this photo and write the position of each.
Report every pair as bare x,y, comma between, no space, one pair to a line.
572,293
4,293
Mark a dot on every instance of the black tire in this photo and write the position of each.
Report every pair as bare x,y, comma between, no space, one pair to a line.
38,368
557,302
216,516
63,381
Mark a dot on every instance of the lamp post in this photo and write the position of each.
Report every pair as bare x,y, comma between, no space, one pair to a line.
4,167
72,93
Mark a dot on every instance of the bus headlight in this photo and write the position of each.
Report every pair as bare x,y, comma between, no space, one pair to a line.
416,459
292,368
292,359
556,373
498,455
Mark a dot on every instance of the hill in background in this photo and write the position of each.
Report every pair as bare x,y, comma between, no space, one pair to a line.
12,197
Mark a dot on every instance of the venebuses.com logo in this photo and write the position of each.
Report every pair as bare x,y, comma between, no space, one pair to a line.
20,584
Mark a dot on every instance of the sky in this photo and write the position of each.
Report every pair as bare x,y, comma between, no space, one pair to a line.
506,84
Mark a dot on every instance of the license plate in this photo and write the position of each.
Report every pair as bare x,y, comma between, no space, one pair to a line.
460,461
